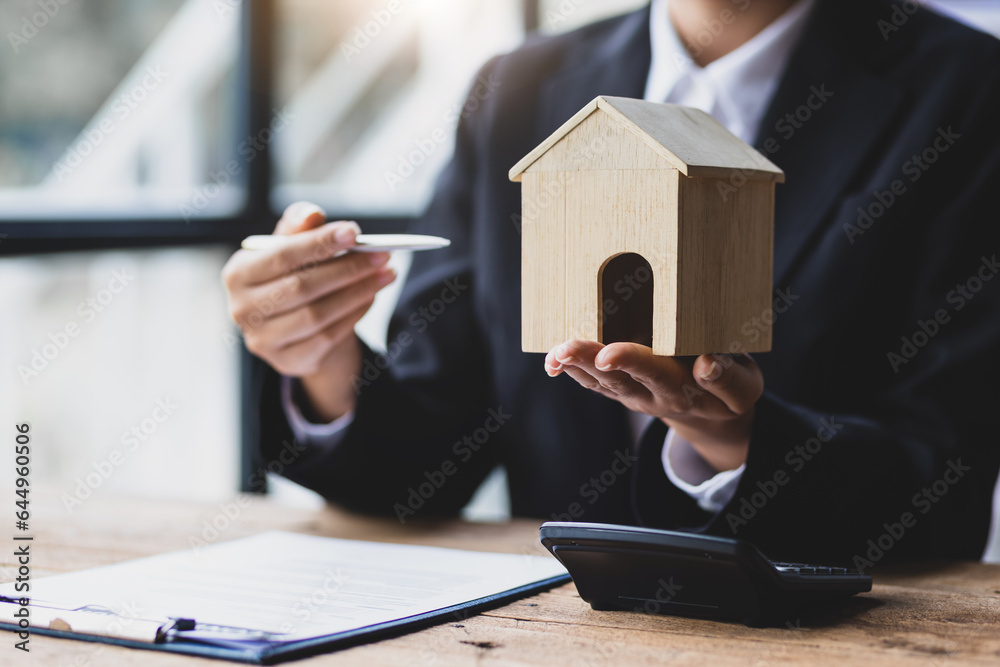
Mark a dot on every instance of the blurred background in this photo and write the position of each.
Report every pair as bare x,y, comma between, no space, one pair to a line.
138,138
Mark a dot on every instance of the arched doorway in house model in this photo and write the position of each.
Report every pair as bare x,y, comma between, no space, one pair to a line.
625,300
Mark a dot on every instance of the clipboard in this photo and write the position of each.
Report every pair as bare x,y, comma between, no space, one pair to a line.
180,633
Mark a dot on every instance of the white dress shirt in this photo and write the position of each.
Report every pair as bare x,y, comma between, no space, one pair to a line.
735,90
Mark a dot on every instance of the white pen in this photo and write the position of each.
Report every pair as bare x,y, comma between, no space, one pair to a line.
365,242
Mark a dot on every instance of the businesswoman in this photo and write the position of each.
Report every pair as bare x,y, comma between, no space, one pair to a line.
867,433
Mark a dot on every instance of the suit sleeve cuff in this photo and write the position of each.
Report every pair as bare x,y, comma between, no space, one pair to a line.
306,432
690,473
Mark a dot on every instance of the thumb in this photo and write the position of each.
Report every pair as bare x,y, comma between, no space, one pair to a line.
299,217
734,379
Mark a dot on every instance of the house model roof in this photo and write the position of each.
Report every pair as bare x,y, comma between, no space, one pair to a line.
689,140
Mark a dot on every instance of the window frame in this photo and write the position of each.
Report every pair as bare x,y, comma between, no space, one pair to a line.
255,78
255,68
44,235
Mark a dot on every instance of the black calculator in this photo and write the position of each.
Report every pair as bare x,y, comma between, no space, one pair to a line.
686,574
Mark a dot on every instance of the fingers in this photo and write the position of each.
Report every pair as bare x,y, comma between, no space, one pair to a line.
306,357
734,379
299,302
298,217
306,285
571,353
658,374
710,387
576,358
667,379
314,317
304,249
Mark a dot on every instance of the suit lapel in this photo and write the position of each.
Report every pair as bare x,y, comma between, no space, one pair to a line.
820,155
617,66
822,149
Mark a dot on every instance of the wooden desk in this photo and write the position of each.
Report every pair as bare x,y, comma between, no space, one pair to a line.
924,616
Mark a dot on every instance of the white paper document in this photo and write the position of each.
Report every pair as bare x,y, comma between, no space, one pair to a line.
291,586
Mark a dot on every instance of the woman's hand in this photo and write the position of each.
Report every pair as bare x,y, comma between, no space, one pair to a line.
297,305
710,402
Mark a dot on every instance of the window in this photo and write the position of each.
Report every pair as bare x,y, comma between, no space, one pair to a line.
116,115
131,123
126,366
375,89
118,109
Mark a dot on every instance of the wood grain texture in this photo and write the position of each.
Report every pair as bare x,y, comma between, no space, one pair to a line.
724,254
667,183
604,226
561,271
543,260
946,614
597,143
695,143
687,139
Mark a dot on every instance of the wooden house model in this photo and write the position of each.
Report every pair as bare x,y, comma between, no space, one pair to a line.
648,223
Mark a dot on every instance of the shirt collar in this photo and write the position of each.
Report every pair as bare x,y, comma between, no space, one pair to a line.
737,87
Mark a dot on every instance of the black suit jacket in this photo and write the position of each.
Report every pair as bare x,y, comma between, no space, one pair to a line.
887,220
